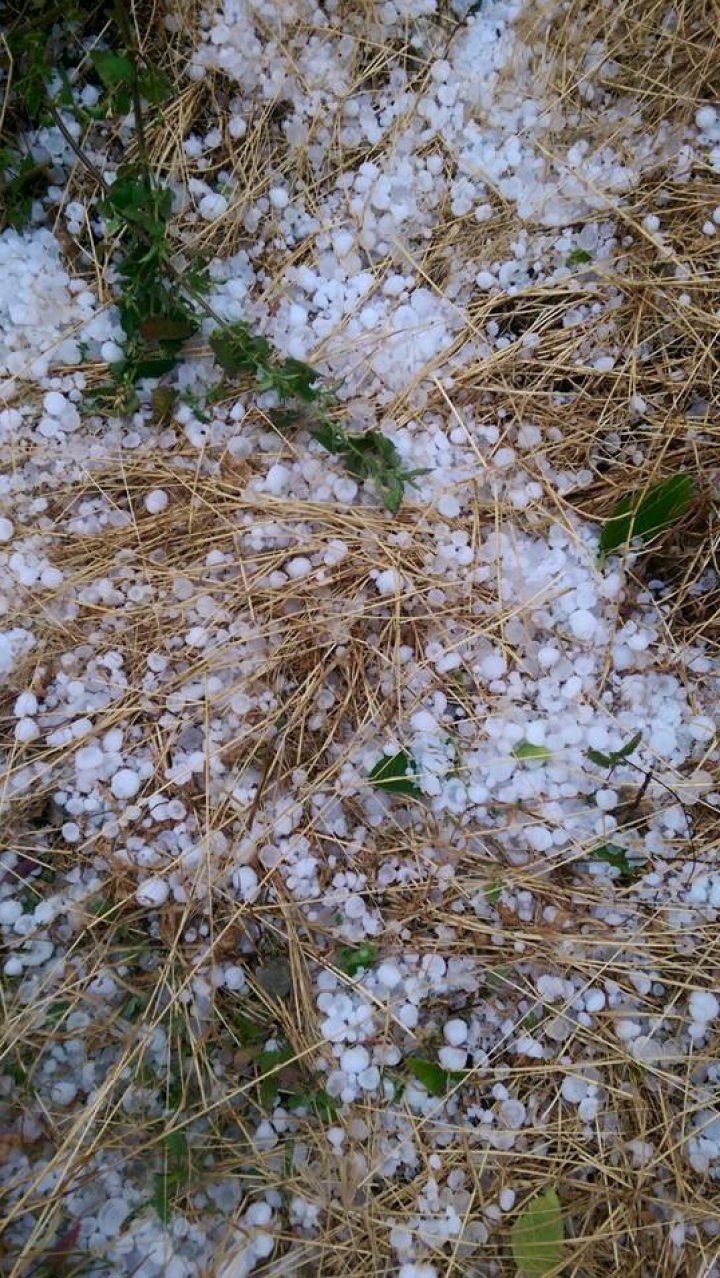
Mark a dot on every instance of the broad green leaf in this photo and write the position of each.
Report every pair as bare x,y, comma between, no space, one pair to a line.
353,958
433,1077
275,976
493,893
526,750
112,68
648,513
612,759
395,774
537,1236
165,328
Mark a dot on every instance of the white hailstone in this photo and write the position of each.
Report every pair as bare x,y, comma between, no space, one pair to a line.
455,1032
246,881
277,478
594,1001
125,783
10,912
156,501
507,1199
574,1089
212,206
152,892
54,403
389,975
606,800
706,117
88,758
354,1060
583,624
299,567
388,582
452,1058
112,353
279,197
704,1007
63,1093
6,529
26,730
25,704
369,1079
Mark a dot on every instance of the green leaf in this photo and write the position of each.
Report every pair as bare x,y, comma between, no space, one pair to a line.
161,1197
57,1012
154,85
648,513
176,1146
526,750
395,774
616,756
493,893
616,857
165,328
433,1077
578,256
275,976
352,959
537,1236
112,68
292,380
270,1063
237,350
319,1102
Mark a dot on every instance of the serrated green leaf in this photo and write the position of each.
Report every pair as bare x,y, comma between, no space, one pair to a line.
612,759
648,513
537,1236
395,774
526,750
112,68
237,350
353,958
433,1077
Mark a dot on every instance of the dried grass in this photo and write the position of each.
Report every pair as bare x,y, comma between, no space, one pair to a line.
668,355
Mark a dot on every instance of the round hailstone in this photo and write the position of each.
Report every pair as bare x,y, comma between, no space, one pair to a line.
125,783
6,529
583,624
704,1007
455,1032
153,892
156,501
